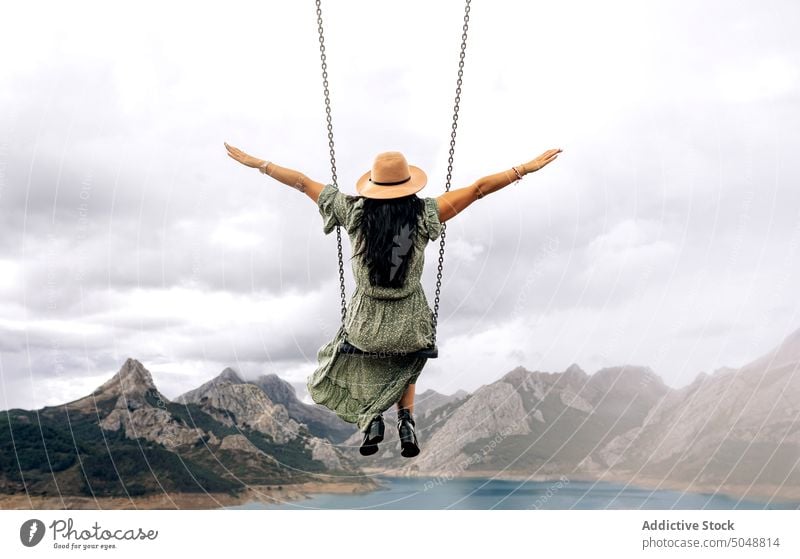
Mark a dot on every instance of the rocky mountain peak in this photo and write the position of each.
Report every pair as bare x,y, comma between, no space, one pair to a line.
276,388
226,378
132,379
787,352
575,374
229,375
629,374
516,375
251,407
319,420
792,339
701,378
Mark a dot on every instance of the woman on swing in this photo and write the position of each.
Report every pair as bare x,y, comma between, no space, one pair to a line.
389,227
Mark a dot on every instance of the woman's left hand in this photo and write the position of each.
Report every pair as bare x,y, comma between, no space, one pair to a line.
242,157
535,164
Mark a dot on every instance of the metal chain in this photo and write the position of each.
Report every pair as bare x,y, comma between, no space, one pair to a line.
332,152
456,104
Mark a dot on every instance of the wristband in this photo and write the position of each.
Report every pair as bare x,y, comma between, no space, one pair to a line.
263,167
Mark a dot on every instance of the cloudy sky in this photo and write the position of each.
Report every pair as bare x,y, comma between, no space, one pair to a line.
666,234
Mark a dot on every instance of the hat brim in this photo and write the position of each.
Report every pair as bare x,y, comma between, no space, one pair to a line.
382,192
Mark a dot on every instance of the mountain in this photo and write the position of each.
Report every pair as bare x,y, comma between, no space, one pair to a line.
785,353
734,431
227,376
320,421
535,420
127,439
425,403
737,427
233,401
531,421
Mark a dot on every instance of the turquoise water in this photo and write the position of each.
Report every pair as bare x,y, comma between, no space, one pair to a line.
461,493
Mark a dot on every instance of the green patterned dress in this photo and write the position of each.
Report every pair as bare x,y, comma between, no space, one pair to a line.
379,319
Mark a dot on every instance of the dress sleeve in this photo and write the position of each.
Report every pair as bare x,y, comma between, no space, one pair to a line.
431,218
337,208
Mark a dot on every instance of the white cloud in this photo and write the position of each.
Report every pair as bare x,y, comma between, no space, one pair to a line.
9,276
671,205
760,79
231,237
630,246
458,249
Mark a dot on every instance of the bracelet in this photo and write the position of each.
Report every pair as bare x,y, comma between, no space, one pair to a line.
263,167
519,177
480,194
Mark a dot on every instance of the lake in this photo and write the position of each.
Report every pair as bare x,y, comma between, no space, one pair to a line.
471,493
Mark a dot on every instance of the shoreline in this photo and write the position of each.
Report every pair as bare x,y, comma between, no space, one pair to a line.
757,493
275,494
284,493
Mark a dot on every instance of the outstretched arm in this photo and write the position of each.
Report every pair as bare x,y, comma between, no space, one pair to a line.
453,202
287,176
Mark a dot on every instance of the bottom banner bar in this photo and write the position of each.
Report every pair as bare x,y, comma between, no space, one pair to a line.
423,533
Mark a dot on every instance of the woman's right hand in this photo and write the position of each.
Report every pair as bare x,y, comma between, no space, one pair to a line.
242,157
539,162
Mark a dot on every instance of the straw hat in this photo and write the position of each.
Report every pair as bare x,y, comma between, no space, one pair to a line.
391,177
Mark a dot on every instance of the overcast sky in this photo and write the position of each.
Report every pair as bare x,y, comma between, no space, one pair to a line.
666,234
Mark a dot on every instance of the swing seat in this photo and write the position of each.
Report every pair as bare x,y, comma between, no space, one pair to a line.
427,352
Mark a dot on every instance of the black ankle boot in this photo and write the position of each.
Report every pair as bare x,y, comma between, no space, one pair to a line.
406,428
373,434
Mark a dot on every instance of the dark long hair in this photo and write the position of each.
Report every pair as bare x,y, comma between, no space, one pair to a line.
386,238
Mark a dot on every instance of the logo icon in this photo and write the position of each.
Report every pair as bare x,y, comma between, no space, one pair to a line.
31,532
400,248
